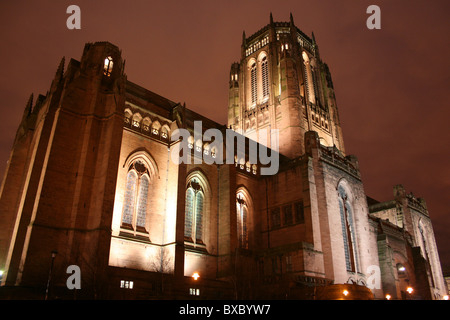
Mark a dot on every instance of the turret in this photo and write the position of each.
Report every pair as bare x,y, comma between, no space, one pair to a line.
233,102
28,108
102,61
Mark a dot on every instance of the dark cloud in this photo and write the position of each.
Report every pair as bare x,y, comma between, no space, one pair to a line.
391,84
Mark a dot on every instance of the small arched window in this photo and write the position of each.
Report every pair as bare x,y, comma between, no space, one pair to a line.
146,123
136,194
128,116
136,121
108,66
194,209
156,126
165,132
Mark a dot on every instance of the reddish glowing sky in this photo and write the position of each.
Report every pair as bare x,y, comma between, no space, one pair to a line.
391,84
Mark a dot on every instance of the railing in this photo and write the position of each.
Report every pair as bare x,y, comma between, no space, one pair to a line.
335,158
146,130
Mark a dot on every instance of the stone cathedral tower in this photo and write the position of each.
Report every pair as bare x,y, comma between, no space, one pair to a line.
282,83
59,186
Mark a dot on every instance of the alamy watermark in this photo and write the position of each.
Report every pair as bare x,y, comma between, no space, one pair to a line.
74,280
374,20
74,20
373,274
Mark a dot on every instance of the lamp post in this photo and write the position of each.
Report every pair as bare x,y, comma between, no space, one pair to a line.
409,290
54,252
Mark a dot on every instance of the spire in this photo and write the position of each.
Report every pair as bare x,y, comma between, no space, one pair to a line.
60,70
314,43
243,38
291,25
58,75
272,34
28,107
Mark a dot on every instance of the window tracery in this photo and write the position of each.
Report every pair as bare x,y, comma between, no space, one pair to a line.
135,199
348,230
194,211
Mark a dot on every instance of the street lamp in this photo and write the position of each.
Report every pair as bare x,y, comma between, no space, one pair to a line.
388,297
54,252
410,291
345,292
195,276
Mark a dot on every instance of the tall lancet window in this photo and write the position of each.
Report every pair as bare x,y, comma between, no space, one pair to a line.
309,82
348,231
254,84
242,216
136,193
195,203
265,78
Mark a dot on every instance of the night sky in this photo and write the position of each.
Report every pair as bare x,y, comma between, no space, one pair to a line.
391,84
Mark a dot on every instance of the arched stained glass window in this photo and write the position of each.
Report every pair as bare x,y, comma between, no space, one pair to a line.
130,193
348,231
190,195
142,202
136,195
199,216
194,212
107,66
242,217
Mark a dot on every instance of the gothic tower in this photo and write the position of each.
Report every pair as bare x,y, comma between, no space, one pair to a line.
281,83
58,194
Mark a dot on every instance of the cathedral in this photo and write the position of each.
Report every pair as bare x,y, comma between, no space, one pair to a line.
91,182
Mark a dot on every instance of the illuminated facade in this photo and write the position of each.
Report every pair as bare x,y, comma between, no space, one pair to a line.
91,177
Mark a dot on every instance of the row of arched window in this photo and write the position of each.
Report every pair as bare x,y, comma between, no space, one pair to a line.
259,80
319,121
245,165
146,125
257,45
136,205
200,146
